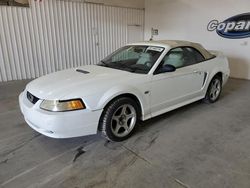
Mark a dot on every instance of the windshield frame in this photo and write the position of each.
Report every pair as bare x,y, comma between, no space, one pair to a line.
123,68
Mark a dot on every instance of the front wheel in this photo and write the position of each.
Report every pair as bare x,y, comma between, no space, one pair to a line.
214,90
119,119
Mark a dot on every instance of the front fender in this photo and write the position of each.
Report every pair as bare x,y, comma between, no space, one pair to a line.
121,90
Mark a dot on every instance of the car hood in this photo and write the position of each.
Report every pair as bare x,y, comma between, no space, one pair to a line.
78,82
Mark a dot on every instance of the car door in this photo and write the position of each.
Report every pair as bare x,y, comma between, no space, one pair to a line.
170,89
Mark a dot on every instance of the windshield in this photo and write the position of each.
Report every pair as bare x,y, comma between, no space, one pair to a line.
138,59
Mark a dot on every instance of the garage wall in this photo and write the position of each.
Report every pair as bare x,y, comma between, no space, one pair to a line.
188,20
53,35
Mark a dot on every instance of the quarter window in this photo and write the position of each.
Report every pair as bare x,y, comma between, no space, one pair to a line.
192,56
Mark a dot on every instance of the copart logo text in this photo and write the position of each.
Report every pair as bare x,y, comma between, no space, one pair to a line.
235,27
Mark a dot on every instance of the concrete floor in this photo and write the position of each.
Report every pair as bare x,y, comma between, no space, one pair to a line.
199,145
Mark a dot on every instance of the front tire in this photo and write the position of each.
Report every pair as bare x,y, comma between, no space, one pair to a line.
214,90
119,119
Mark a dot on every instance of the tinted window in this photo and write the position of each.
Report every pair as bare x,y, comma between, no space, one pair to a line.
192,56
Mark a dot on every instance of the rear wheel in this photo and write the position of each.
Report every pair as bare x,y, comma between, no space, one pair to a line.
119,119
214,90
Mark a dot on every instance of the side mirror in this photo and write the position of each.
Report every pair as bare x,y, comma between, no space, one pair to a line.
166,68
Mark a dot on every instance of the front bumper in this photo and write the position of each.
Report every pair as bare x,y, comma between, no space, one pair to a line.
59,124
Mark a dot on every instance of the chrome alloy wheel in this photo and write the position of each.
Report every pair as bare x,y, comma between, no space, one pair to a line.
123,120
215,89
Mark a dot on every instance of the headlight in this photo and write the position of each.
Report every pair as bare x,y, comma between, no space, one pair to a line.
62,106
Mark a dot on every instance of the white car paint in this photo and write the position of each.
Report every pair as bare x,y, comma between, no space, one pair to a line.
157,94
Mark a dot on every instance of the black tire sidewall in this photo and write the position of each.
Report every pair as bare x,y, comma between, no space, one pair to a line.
208,98
107,118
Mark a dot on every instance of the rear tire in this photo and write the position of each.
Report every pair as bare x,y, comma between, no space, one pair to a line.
119,119
214,90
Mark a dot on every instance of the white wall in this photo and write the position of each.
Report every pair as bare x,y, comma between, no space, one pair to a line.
188,19
53,35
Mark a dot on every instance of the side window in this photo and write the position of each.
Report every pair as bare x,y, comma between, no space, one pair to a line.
182,57
175,57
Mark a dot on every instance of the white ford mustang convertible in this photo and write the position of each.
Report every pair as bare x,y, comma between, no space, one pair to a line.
137,82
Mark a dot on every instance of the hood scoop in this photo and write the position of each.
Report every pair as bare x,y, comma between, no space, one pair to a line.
82,71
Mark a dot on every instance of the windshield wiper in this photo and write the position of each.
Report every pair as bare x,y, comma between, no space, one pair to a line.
104,63
134,69
122,66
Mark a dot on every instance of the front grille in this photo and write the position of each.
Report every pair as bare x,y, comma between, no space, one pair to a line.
33,99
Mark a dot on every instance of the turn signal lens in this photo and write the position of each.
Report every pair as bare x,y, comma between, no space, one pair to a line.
77,104
62,106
